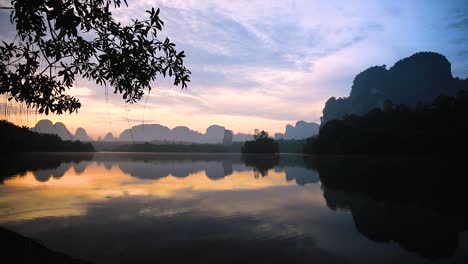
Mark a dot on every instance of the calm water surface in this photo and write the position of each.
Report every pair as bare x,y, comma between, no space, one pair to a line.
175,208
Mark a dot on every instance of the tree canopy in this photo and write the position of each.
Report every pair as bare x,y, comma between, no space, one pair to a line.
436,128
60,40
262,143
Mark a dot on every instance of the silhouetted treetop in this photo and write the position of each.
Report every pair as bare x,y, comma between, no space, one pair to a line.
439,127
418,78
260,134
262,143
82,38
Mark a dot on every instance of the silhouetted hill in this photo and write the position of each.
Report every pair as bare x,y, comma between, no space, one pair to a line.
158,133
241,137
418,78
109,137
301,130
81,135
17,139
214,134
46,126
145,132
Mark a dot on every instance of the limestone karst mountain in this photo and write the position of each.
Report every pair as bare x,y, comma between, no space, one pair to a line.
146,132
241,137
82,135
214,134
227,138
109,137
418,78
301,130
46,126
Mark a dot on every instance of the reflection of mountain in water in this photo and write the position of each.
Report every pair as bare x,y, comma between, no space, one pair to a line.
43,165
156,166
160,169
44,175
405,201
418,203
80,167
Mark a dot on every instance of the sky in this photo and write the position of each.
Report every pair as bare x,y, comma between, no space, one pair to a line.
265,64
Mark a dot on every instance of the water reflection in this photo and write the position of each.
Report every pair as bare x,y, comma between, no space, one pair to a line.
278,209
419,203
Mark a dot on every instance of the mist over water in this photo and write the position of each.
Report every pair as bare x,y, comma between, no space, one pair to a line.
127,208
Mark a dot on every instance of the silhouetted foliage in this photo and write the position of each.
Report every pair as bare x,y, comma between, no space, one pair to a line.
439,127
418,78
82,38
20,249
18,139
291,145
262,144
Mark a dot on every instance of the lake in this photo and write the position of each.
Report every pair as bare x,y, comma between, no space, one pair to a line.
218,208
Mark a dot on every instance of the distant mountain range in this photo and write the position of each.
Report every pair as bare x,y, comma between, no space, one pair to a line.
158,133
46,126
419,78
147,133
214,134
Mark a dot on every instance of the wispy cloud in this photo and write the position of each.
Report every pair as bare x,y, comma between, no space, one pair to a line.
264,64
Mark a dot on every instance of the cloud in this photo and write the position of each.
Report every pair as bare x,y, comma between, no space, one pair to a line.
264,64
461,24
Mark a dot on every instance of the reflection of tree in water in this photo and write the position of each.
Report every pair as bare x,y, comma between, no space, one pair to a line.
415,228
261,163
401,200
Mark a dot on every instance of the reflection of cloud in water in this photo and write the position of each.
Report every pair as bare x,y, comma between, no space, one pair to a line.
175,231
47,196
